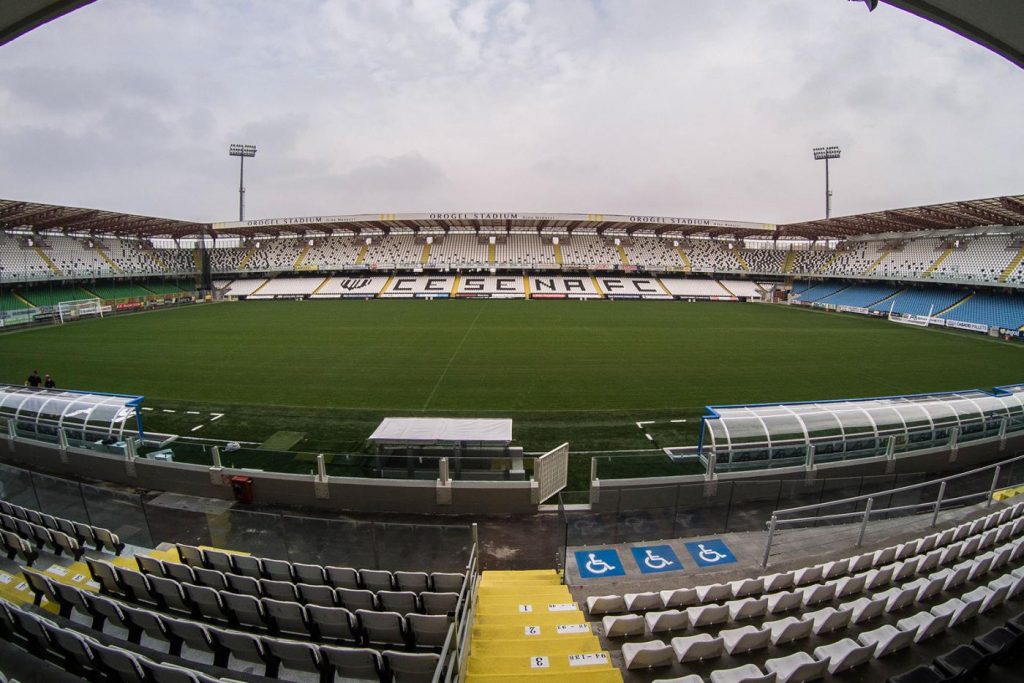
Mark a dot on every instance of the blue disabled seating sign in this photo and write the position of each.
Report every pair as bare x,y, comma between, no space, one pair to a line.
651,559
710,553
595,564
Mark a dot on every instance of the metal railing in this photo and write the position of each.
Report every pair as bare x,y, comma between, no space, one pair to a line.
777,522
452,663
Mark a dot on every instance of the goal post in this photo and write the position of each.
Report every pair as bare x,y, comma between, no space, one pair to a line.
69,311
910,319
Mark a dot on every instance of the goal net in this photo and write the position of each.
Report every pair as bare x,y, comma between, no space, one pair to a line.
68,311
910,319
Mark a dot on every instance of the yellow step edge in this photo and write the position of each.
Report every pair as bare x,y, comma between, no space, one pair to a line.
541,661
544,619
528,646
535,591
518,572
516,607
599,676
537,631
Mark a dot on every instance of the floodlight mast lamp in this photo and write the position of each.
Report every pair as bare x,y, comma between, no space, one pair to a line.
241,151
827,153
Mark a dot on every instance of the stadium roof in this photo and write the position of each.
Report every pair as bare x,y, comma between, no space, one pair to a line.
995,24
973,213
18,18
69,219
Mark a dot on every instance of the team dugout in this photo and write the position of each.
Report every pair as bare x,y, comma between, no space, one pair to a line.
85,418
741,437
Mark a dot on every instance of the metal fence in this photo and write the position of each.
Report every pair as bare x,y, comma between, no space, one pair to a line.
150,519
857,518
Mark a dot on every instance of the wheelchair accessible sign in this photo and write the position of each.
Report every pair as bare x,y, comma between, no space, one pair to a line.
652,559
596,564
710,553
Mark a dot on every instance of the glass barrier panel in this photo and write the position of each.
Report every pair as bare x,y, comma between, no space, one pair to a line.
60,497
118,511
16,487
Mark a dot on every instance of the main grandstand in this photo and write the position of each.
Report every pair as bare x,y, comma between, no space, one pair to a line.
800,537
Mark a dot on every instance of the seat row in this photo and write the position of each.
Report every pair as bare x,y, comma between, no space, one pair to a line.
894,598
940,548
80,652
275,616
143,586
13,544
1001,645
317,575
85,534
834,657
56,541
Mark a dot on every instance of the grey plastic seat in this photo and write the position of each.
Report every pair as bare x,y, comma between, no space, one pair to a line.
411,667
621,626
206,602
277,570
714,592
705,615
312,574
829,619
376,579
356,598
138,588
784,601
387,628
865,609
428,630
789,629
312,594
190,555
878,578
417,582
844,654
76,648
41,587
108,539
244,584
779,581
745,639
141,621
104,610
959,610
906,569
925,624
807,575
238,644
403,602
605,604
170,594
179,572
162,672
849,585
926,587
219,561
247,565
898,598
649,655
245,610
447,582
286,617
797,668
353,662
747,608
822,592
748,673
666,620
342,577
887,639
211,578
680,597
105,575
439,603
697,648
123,665
150,565
279,590
835,569
71,598
293,654
195,635
333,623
642,602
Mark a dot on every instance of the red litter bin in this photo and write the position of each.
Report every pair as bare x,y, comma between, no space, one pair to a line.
242,487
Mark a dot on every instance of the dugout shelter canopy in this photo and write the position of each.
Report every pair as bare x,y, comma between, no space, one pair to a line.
769,431
40,413
442,431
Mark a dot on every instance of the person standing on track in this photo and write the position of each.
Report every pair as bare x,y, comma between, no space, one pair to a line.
34,380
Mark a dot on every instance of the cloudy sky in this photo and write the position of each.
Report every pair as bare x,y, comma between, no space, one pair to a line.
697,109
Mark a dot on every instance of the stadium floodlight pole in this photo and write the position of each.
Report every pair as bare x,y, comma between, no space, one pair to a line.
827,153
241,151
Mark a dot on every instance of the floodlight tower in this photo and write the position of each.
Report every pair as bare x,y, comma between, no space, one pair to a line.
241,151
827,153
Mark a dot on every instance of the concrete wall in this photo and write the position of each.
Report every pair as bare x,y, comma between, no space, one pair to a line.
273,488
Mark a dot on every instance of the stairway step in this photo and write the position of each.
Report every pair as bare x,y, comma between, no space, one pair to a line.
599,676
528,646
526,619
546,631
593,660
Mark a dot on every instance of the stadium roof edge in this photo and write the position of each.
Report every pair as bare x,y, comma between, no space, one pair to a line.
18,18
969,216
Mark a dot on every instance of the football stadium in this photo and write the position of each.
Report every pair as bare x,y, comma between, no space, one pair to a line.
515,446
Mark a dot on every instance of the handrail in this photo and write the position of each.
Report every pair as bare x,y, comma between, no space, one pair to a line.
902,489
774,523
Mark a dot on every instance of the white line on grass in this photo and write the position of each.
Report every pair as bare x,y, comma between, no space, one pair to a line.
169,411
216,416
641,424
198,427
452,358
649,437
677,420
192,412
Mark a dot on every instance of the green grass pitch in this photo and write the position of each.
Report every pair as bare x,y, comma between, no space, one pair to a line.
577,371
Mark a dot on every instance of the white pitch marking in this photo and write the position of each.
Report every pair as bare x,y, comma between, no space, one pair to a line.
649,437
147,408
677,420
641,424
192,412
169,411
198,427
216,416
